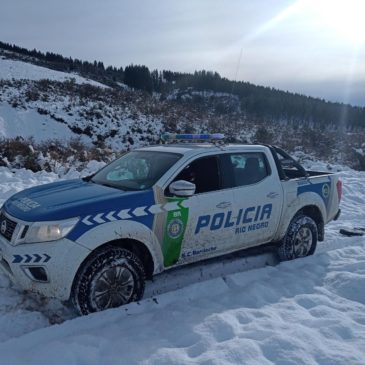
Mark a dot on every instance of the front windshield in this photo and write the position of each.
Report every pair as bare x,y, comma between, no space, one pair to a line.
136,170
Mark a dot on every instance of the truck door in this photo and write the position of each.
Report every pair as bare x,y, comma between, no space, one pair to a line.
257,196
203,217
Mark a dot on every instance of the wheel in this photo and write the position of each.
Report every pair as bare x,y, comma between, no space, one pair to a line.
112,277
300,240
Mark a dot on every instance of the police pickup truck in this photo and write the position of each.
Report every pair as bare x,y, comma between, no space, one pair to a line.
96,240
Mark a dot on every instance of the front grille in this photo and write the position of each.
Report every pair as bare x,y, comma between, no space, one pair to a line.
7,227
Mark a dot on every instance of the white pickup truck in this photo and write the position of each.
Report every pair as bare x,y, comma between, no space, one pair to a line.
96,240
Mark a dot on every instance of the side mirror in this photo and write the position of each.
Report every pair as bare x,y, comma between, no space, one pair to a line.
182,188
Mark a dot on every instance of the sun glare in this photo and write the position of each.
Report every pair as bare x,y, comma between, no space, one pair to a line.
346,18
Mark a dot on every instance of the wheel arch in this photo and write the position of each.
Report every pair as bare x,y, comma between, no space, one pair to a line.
140,249
312,211
130,234
308,203
135,246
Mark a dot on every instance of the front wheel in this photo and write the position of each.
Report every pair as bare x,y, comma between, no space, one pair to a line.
300,239
110,278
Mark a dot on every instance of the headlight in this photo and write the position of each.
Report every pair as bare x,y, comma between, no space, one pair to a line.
49,231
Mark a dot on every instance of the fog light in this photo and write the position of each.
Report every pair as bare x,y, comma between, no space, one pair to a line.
36,273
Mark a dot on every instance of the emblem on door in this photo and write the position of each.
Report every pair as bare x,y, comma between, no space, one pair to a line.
223,205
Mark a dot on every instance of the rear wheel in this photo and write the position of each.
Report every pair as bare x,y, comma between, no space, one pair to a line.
112,277
300,240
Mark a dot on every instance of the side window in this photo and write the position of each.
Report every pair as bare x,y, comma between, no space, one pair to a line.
240,169
203,172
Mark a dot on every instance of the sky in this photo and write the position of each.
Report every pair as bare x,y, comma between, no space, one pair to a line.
312,47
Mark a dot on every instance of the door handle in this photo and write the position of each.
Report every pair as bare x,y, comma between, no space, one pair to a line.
272,195
223,205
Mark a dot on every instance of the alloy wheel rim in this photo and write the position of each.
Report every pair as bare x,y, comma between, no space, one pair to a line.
303,242
113,287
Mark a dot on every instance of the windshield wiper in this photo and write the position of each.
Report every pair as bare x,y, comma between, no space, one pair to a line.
108,185
123,188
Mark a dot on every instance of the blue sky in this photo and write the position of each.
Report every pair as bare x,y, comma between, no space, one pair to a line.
315,47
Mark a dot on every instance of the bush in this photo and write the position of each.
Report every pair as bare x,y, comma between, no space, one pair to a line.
50,155
264,136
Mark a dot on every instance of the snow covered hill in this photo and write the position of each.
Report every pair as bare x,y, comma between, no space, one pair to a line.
43,104
308,311
46,104
19,70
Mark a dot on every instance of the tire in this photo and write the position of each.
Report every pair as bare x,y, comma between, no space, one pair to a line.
300,239
112,277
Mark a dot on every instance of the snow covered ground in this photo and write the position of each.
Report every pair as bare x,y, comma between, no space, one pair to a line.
29,123
18,70
308,311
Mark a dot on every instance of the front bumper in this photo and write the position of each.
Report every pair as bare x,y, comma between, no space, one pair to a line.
47,268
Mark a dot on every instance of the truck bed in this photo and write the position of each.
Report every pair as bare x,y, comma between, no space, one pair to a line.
295,174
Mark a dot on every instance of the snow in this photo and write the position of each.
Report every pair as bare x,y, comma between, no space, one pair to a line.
18,70
58,115
29,123
257,311
360,151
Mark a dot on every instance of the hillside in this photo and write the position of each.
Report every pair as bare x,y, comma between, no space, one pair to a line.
43,104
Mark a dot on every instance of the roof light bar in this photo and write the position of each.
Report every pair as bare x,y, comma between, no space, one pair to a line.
190,137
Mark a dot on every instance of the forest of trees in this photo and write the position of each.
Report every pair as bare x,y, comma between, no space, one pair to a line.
255,101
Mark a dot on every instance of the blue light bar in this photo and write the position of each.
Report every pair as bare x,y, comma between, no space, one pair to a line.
190,137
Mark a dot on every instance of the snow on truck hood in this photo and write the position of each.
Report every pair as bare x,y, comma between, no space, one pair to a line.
72,198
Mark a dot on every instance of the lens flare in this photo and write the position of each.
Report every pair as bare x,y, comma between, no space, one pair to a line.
344,18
